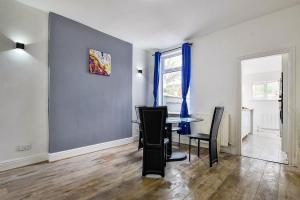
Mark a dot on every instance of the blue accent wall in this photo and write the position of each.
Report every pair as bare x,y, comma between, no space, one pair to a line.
86,109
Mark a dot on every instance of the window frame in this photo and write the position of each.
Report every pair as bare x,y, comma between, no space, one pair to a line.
265,97
166,71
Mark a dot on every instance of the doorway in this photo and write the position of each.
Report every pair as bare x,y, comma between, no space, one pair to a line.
264,133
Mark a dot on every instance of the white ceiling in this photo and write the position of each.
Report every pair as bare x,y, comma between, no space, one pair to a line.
262,65
160,24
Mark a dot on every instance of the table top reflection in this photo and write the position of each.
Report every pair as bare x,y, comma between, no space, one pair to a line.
176,120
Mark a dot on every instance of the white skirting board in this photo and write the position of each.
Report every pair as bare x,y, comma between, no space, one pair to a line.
20,162
29,160
88,149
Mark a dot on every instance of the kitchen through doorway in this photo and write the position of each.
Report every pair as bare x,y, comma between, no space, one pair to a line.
263,124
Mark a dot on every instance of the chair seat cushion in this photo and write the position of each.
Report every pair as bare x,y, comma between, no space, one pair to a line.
201,136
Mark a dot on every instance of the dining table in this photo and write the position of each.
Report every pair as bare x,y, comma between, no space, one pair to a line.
178,155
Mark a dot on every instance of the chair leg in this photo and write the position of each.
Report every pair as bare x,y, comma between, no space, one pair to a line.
210,155
189,149
198,148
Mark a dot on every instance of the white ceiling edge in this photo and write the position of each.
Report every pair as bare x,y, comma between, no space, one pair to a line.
209,32
175,42
205,33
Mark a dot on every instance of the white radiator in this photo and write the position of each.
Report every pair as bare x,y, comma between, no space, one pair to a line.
268,121
204,127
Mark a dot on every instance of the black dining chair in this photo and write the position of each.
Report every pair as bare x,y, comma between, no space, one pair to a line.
153,122
140,142
211,138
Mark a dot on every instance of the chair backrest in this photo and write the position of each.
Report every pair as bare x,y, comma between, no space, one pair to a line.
153,122
165,108
217,117
137,112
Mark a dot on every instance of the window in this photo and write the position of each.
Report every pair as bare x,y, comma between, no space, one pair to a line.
266,90
171,94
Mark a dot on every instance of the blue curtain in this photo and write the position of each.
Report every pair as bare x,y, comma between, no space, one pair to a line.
185,84
156,77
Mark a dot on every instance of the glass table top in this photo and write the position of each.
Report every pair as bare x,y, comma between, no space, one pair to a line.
176,120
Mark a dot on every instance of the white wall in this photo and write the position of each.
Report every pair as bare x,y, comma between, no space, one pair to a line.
215,61
150,74
265,112
23,84
139,82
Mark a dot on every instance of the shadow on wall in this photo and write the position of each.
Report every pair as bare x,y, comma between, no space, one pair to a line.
30,53
39,56
6,43
16,25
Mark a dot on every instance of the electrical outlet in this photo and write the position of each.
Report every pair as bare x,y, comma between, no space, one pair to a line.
23,147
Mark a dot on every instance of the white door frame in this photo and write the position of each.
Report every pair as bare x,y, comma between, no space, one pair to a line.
292,134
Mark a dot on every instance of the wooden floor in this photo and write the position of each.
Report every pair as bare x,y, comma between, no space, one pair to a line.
116,174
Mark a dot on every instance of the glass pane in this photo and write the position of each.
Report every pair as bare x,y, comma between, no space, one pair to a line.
172,91
272,90
172,62
258,91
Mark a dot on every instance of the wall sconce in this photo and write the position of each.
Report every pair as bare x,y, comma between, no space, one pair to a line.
140,71
20,45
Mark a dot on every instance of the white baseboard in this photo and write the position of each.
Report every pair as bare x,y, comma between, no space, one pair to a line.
88,149
20,162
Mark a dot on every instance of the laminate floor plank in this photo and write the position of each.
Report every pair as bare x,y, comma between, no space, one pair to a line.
289,183
116,174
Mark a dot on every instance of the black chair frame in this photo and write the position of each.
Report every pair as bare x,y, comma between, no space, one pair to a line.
211,138
153,122
140,141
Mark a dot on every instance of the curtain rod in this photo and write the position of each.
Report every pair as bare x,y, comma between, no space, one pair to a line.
172,49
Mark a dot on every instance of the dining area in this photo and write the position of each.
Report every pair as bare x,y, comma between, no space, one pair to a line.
156,131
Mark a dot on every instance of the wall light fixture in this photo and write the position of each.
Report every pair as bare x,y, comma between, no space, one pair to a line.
20,45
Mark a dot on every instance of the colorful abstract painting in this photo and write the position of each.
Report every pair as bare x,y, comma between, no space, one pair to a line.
99,63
